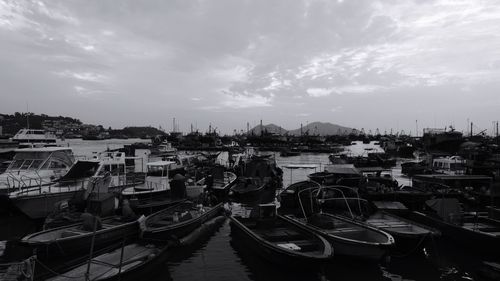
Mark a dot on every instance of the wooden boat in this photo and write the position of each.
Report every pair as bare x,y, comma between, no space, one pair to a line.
132,262
148,206
409,236
73,239
179,220
248,187
350,238
278,239
222,185
477,233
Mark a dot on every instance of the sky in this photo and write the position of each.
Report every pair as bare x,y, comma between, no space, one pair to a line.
362,63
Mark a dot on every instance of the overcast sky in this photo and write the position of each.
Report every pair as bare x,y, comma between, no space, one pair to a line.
364,64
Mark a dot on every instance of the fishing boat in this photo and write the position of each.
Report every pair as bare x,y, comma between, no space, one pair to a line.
178,220
469,230
35,167
256,175
222,181
77,239
410,237
134,261
350,237
278,239
245,188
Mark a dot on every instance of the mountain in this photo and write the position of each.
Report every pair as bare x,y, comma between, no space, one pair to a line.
315,128
322,128
269,128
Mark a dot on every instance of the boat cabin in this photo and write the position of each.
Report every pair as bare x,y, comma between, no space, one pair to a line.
157,176
454,165
36,166
52,158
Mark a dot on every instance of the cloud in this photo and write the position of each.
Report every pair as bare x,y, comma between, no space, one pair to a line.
318,92
158,55
246,100
336,109
84,76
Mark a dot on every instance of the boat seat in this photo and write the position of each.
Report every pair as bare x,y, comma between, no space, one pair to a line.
162,223
69,233
281,235
345,229
305,245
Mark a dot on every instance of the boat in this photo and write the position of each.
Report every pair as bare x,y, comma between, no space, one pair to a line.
278,239
351,238
137,260
289,152
410,237
256,175
77,239
246,188
75,185
178,220
35,167
221,181
469,230
29,138
156,182
134,261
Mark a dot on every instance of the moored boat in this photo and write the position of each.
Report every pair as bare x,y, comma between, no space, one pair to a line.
178,220
471,231
132,262
77,238
278,239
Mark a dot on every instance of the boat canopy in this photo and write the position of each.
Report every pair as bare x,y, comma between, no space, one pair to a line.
45,158
300,166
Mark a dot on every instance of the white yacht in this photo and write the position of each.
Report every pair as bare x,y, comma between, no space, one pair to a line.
105,171
35,167
34,138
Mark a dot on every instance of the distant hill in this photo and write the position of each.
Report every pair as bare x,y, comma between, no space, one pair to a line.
322,129
270,128
315,128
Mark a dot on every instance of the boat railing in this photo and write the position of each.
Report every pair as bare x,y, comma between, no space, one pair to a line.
48,188
318,190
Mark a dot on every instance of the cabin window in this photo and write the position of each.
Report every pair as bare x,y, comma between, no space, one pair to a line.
17,164
26,164
55,165
36,164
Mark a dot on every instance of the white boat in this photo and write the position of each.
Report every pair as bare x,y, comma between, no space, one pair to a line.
166,148
36,167
34,138
156,182
77,183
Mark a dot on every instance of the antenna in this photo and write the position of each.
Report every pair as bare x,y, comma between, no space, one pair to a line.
27,116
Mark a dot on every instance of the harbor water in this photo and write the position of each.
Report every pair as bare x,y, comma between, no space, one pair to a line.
221,257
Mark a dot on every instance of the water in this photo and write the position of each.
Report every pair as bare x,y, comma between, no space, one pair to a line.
221,257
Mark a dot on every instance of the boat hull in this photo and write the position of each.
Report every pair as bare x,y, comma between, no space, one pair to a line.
183,228
40,206
272,253
79,244
473,240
